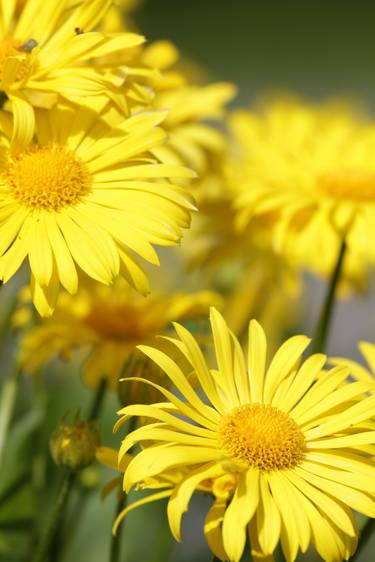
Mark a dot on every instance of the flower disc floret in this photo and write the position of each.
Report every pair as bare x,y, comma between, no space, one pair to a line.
47,178
262,437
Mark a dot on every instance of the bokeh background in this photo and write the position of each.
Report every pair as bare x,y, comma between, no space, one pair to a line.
314,48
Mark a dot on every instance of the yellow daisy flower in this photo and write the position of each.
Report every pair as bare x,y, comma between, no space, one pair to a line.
87,193
312,166
287,438
109,322
43,48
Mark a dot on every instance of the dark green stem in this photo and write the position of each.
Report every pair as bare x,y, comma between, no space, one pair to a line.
365,535
98,401
116,540
322,330
7,402
42,551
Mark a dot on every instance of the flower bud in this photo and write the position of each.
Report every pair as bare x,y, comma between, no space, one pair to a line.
73,446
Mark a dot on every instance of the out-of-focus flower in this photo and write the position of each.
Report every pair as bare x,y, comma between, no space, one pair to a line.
357,370
312,167
258,281
290,437
49,49
194,109
111,322
87,193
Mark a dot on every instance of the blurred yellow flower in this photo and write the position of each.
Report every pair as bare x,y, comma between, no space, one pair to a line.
357,370
192,140
312,167
110,322
257,281
43,50
287,439
193,109
88,194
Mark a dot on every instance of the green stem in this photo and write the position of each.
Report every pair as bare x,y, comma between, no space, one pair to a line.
98,401
116,540
7,402
364,535
322,330
51,538
42,550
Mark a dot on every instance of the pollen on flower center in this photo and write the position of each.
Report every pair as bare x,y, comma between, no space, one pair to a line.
47,178
261,436
350,185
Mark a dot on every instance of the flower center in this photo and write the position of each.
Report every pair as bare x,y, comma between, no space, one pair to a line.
120,322
262,437
47,178
10,47
350,185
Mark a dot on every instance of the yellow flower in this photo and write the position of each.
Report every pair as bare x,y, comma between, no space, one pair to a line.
164,485
192,140
287,439
43,51
312,167
193,109
87,194
357,370
258,281
110,322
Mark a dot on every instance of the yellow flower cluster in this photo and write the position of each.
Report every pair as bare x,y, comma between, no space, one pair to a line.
81,148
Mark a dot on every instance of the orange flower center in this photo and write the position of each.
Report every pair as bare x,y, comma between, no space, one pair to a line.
262,437
120,322
47,178
350,185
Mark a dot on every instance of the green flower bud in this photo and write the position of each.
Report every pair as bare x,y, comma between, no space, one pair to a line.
74,446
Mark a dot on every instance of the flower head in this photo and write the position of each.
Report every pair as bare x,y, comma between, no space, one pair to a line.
88,194
50,49
284,447
107,323
312,168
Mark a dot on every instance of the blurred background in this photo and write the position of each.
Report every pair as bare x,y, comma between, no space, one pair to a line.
315,48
